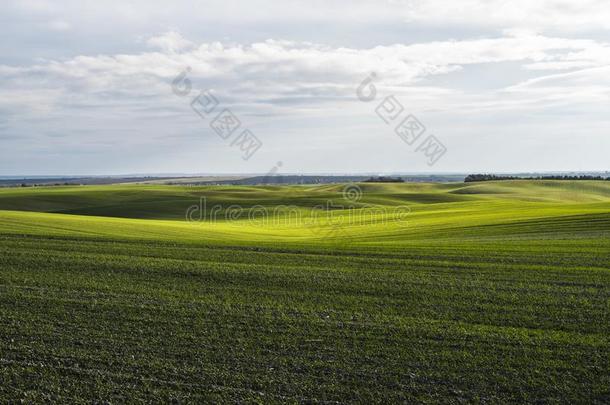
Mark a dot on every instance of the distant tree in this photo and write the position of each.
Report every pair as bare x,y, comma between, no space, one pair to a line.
492,177
383,179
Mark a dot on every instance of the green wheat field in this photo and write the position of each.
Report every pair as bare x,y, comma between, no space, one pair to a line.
492,292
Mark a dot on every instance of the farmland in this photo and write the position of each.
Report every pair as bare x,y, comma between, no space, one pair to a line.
489,292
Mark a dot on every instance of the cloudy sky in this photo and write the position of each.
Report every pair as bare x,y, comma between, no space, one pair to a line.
521,85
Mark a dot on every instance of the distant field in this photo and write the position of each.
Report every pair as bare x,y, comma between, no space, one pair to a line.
489,292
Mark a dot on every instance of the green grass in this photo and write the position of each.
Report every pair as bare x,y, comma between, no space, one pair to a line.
489,292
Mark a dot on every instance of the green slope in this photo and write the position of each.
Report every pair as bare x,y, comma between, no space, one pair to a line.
399,212
483,292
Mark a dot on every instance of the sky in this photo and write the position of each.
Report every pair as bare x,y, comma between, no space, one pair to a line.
333,86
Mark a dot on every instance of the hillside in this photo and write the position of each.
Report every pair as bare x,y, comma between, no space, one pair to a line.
485,292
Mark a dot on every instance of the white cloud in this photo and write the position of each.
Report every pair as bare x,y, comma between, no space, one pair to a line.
171,41
288,73
585,85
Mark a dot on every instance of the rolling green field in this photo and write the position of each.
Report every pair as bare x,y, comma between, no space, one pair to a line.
494,292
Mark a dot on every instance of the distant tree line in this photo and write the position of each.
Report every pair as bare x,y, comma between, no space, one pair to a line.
46,184
383,179
493,177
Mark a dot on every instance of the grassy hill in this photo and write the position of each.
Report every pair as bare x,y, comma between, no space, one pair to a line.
398,212
489,292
